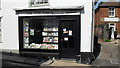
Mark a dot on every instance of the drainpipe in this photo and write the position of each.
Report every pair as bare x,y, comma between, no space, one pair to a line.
92,28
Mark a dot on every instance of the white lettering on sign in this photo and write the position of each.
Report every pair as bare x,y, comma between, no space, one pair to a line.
112,19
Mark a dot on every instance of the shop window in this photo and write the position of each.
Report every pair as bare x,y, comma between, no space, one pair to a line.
111,12
38,2
40,33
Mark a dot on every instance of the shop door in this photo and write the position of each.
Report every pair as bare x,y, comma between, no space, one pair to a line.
69,37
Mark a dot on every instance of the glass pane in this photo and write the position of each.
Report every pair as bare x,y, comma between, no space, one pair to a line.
45,1
26,33
32,1
109,9
40,1
40,33
112,9
112,13
35,28
109,13
50,33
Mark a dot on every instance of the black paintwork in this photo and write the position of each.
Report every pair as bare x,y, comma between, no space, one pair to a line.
72,49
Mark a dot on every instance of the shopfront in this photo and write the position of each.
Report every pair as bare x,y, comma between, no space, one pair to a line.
55,34
55,28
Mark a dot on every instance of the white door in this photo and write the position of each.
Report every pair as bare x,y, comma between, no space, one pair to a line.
112,29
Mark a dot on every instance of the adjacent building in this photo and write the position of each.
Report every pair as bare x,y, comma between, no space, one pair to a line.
107,20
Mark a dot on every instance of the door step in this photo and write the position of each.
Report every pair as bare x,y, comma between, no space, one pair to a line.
47,63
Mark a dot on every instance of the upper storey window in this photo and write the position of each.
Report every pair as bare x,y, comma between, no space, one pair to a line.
38,2
111,12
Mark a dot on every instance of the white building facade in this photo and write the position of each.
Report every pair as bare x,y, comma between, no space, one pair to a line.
10,21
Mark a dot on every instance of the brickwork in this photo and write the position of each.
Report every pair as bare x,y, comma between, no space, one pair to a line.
100,14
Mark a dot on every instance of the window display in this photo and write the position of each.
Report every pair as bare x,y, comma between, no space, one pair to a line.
31,31
26,33
50,34
41,34
44,46
50,39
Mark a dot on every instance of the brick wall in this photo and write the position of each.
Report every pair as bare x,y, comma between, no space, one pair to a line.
100,14
118,15
103,12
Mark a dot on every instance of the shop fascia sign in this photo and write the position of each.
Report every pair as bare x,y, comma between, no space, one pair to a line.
49,12
107,19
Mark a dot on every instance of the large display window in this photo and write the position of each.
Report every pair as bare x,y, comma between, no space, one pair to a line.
40,33
49,35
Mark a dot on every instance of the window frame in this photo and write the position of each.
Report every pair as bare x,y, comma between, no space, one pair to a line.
42,3
110,11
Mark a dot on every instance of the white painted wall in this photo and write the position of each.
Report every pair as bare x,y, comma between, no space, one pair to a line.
86,19
86,24
10,21
64,3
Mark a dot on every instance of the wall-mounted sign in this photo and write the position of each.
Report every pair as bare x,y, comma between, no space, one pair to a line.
111,19
47,11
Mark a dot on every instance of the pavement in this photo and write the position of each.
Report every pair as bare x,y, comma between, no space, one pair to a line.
108,55
14,60
63,62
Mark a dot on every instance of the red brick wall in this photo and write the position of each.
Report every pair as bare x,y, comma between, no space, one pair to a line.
118,23
117,12
118,27
103,12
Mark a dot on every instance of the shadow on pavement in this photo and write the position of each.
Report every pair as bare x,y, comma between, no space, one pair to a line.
97,47
14,60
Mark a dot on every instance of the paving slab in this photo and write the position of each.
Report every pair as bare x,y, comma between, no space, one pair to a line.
67,63
114,61
47,63
22,60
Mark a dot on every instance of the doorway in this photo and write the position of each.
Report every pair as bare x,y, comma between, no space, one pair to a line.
111,30
69,37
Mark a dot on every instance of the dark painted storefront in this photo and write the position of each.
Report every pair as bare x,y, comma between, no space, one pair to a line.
54,31
51,33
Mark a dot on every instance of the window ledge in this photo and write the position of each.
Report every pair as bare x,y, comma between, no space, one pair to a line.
38,5
111,16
